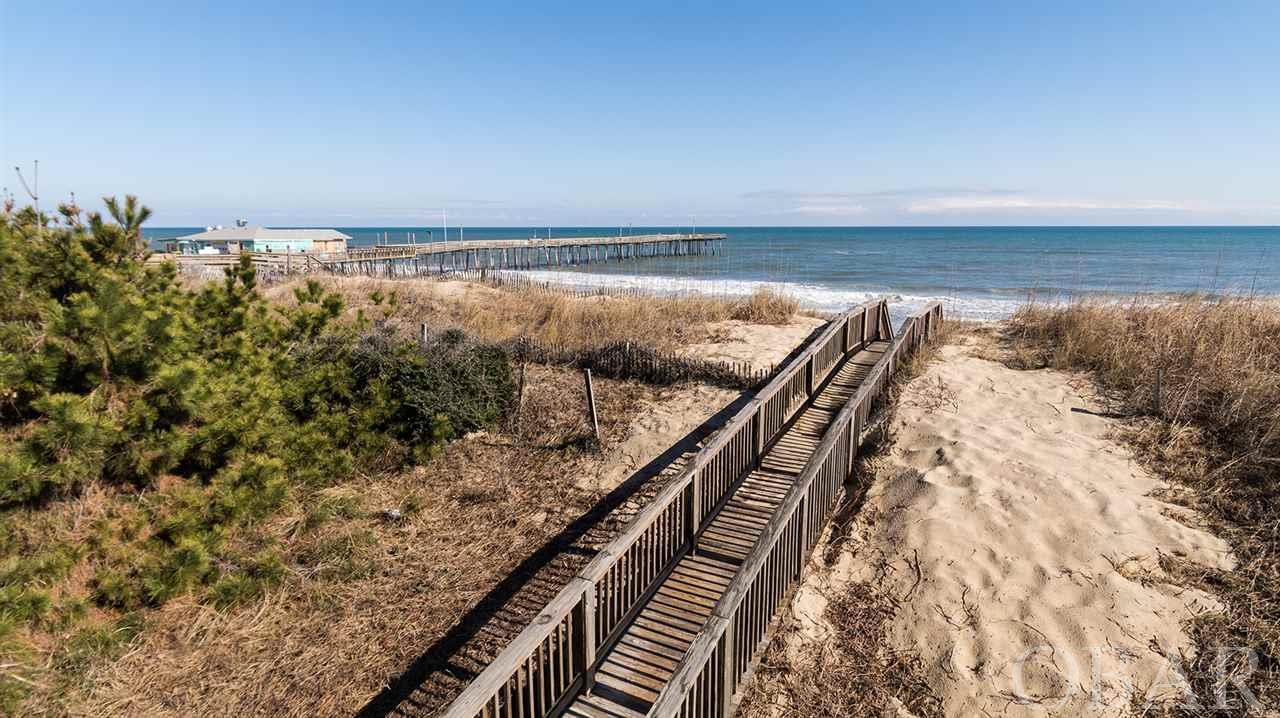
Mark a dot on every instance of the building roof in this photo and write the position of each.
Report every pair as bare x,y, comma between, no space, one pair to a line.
246,234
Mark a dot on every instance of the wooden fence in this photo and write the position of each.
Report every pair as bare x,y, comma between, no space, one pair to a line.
628,360
552,660
513,280
710,679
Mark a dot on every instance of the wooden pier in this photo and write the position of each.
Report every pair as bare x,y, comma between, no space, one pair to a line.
672,616
407,260
515,254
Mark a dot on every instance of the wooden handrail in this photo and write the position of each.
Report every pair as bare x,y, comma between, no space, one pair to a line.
440,246
583,591
717,633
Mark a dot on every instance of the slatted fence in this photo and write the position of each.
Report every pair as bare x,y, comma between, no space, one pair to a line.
628,360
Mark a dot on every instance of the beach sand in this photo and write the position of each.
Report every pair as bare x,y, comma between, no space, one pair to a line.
675,411
760,345
1023,544
660,422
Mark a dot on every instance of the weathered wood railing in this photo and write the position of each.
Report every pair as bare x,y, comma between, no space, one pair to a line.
539,242
710,679
555,657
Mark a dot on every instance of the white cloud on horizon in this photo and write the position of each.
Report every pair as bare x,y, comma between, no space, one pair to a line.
1015,203
827,210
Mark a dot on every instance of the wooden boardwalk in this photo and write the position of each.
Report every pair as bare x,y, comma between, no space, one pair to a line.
644,659
672,615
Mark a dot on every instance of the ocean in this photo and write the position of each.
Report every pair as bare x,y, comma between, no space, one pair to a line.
981,272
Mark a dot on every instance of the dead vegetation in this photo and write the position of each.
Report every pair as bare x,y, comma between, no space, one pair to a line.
1198,382
849,674
379,570
499,315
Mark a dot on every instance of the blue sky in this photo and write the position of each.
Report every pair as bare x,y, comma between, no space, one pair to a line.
649,113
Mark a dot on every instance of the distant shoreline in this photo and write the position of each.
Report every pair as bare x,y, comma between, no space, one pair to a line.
983,272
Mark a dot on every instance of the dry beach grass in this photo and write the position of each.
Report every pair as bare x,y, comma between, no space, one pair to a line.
497,315
1198,381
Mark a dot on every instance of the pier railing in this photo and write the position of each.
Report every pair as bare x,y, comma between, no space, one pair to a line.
709,680
432,247
553,659
402,260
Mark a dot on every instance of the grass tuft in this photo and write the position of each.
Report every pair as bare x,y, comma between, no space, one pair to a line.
766,306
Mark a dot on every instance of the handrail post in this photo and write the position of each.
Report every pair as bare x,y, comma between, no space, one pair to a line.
728,666
808,376
758,435
589,637
804,533
693,508
853,446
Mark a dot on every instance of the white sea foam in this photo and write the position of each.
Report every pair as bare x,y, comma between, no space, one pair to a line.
811,296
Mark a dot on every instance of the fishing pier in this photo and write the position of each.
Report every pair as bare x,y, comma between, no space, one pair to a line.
445,257
435,258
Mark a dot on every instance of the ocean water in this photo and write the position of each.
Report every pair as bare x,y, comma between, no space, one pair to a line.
981,272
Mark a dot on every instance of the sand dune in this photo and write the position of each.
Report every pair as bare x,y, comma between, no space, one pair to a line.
660,423
1024,544
759,345
677,410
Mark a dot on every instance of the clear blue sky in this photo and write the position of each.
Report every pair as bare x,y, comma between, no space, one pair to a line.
604,114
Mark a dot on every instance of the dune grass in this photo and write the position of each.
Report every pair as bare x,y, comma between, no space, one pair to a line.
497,315
1199,379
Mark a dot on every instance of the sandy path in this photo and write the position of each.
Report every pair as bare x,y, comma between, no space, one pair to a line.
1037,541
659,423
676,411
760,345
